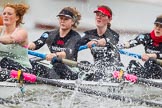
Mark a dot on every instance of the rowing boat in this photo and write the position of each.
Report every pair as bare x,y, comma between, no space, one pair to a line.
123,91
11,88
126,88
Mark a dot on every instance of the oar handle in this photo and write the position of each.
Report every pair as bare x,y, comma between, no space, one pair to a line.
85,47
41,55
66,61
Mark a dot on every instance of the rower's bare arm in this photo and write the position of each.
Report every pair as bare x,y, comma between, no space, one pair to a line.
19,37
146,56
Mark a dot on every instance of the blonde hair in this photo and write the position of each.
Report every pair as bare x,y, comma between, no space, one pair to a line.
20,10
77,15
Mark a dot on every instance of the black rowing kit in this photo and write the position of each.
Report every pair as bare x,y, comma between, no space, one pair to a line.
150,68
57,44
104,57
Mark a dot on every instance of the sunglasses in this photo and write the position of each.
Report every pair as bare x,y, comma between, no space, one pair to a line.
158,25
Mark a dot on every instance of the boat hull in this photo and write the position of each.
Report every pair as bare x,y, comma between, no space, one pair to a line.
11,88
124,88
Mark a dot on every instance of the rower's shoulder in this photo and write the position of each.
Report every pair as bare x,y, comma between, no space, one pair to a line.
21,32
92,31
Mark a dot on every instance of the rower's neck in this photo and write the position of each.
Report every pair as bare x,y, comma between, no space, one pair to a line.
101,30
9,29
63,33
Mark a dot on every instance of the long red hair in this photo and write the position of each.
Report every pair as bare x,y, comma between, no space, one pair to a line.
1,20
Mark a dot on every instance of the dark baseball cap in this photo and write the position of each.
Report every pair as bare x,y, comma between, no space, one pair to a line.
158,21
66,13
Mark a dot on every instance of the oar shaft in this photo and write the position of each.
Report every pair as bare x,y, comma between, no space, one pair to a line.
4,101
149,82
83,47
130,54
37,54
159,62
55,83
135,79
66,61
33,78
121,51
69,62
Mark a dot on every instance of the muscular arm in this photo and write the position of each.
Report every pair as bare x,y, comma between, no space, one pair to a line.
20,37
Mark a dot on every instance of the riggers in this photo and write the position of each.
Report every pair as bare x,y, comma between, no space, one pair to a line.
6,65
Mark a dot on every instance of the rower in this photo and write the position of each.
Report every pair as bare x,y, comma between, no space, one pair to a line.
61,43
104,38
14,39
152,43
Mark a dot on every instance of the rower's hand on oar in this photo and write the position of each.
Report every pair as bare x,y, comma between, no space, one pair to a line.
96,42
146,56
49,57
91,43
85,47
31,46
123,45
